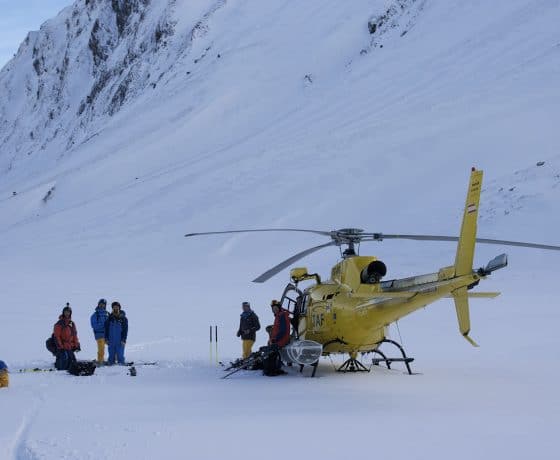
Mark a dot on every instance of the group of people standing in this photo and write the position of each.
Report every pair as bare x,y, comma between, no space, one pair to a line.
279,332
109,329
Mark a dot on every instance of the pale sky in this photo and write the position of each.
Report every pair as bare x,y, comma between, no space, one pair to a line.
18,17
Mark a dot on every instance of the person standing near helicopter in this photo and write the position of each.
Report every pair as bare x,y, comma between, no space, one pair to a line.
280,334
278,338
248,327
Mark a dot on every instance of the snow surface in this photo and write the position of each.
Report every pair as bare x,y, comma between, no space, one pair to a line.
280,114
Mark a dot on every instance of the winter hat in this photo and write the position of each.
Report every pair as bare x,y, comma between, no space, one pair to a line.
101,302
116,304
275,302
67,308
246,304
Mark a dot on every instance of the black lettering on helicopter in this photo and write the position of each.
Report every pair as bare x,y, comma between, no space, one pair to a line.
318,319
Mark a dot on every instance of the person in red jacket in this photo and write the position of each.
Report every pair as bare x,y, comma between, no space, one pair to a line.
279,337
280,334
66,337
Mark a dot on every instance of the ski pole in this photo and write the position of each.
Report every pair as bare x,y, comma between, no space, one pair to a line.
210,344
216,334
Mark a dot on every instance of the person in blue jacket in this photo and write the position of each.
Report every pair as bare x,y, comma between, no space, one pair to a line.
97,321
116,332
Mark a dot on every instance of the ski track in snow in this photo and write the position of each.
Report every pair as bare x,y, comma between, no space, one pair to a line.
21,449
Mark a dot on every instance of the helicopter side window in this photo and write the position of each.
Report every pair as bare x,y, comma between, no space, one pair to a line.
387,284
302,304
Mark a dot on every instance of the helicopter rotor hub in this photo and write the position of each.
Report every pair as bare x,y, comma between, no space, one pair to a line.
347,236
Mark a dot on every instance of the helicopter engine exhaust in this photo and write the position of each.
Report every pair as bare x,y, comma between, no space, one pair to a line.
373,272
303,352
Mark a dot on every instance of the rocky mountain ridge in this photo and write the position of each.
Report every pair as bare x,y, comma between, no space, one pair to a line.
82,66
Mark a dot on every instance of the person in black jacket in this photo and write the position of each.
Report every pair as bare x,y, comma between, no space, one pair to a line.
248,327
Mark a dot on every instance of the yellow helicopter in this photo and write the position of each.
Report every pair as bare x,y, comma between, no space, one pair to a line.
351,312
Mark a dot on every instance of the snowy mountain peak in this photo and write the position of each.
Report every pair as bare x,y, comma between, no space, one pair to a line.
79,69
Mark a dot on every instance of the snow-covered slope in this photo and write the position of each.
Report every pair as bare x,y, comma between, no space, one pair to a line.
124,125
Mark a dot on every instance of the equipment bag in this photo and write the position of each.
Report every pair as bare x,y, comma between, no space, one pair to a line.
51,345
82,368
272,364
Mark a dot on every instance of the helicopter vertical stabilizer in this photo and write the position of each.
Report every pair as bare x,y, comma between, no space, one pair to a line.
462,306
467,238
465,252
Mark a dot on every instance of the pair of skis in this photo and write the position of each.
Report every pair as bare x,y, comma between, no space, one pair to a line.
130,364
248,363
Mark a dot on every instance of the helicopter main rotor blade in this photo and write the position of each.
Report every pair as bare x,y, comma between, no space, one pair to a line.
319,232
281,266
519,243
382,236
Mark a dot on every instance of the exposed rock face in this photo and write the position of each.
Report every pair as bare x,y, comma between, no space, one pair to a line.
81,67
399,18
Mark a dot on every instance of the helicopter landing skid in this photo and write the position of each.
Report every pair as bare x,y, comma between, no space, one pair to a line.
405,359
352,365
314,366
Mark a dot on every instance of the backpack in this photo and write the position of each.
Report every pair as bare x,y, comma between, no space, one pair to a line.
51,345
271,364
81,368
